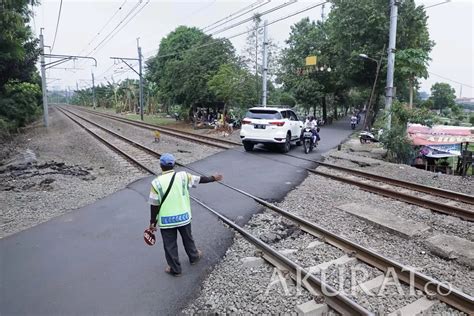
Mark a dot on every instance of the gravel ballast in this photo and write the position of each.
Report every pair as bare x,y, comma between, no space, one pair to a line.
317,199
184,151
45,173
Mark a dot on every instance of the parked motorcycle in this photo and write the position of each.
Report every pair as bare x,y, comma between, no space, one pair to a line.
308,140
369,137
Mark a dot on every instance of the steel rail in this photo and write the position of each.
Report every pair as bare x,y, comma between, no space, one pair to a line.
448,194
171,131
465,214
103,140
335,299
455,298
407,198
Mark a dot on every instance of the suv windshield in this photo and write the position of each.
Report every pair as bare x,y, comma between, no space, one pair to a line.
263,114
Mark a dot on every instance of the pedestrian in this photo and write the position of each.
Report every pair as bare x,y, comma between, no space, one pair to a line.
170,208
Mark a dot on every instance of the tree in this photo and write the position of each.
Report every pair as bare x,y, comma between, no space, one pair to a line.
20,95
309,89
361,26
232,85
252,54
442,96
412,63
185,62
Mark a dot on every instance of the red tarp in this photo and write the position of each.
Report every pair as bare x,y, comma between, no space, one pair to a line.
439,134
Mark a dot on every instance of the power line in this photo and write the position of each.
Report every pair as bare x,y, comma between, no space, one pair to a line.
214,41
57,24
226,19
200,9
110,35
466,85
105,25
281,6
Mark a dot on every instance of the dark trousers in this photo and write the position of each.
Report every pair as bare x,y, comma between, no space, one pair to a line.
170,236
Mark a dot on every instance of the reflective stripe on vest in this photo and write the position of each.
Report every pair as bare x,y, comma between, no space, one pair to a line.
176,210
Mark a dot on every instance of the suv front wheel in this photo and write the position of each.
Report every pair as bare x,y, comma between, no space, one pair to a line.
248,146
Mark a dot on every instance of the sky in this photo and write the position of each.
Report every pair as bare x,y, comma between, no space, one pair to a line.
84,24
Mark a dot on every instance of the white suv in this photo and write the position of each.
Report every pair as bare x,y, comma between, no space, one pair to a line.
267,125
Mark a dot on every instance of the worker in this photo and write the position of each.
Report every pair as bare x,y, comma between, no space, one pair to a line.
170,208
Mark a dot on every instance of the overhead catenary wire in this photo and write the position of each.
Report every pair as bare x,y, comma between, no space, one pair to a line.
279,7
112,33
227,19
443,77
105,25
200,10
57,24
214,41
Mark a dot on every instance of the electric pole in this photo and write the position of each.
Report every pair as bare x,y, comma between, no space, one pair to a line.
43,80
139,72
93,91
391,60
265,64
322,13
141,77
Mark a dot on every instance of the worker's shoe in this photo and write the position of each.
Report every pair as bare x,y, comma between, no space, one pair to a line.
168,270
198,258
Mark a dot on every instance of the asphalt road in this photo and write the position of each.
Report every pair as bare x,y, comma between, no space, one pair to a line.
93,261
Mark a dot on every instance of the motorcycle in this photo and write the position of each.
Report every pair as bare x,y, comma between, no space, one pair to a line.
308,140
368,137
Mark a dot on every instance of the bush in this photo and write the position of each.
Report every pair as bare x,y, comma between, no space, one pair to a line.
396,140
20,103
471,119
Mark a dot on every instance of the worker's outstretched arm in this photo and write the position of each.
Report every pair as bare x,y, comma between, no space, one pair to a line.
216,177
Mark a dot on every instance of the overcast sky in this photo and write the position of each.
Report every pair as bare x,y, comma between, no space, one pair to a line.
450,26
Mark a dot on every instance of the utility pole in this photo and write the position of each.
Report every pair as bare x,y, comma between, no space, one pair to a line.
139,72
93,90
265,64
141,77
322,13
391,60
43,80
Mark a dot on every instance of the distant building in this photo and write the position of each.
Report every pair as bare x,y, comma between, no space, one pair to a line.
422,95
465,100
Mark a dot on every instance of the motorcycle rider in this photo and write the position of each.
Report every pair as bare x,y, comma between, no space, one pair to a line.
353,121
312,124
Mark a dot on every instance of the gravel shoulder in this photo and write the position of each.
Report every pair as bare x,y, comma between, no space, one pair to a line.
45,173
232,286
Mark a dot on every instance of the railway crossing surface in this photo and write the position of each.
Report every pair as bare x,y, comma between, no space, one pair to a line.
94,261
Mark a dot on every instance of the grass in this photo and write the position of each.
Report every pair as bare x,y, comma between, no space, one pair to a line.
152,119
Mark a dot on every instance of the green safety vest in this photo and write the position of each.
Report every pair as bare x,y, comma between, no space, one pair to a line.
176,210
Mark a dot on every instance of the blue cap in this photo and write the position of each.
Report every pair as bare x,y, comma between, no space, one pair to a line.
167,160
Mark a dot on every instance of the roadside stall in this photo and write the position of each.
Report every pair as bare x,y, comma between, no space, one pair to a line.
442,148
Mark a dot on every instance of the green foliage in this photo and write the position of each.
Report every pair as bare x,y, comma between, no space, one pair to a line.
442,95
20,95
395,140
20,103
18,50
233,86
471,119
187,59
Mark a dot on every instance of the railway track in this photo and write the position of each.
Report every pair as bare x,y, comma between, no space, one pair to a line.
335,299
460,208
203,139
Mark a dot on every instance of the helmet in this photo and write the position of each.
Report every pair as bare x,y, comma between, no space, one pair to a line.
149,237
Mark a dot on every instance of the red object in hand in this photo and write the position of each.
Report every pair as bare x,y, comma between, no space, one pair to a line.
149,237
